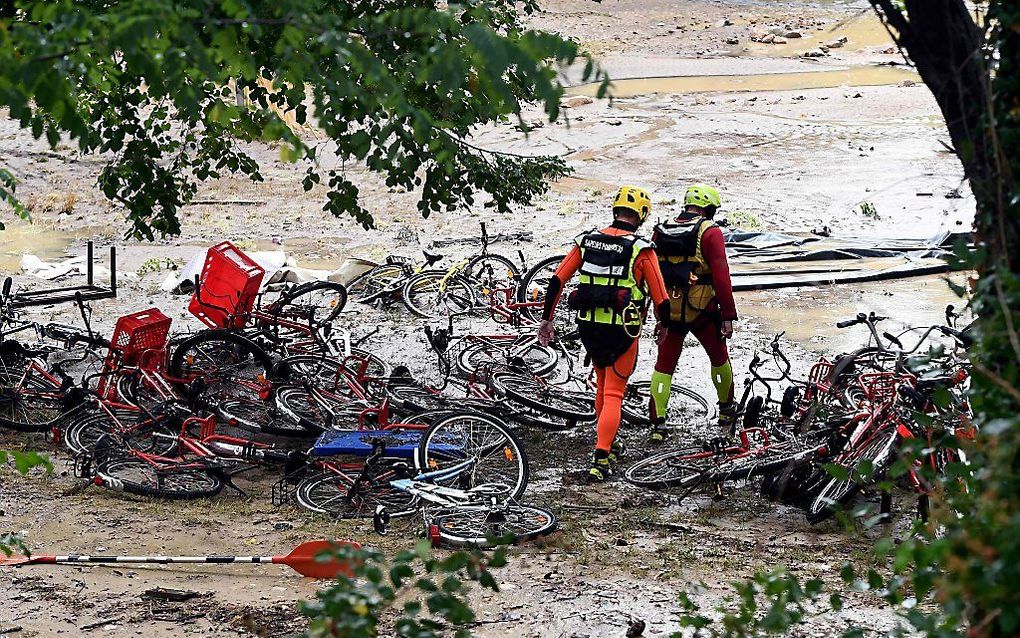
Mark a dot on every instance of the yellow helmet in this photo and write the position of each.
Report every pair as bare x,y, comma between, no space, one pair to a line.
703,196
634,199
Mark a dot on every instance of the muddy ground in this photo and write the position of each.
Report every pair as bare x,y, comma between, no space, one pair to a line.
794,142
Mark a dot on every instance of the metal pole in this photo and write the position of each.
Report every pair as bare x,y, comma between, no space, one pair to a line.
113,271
88,271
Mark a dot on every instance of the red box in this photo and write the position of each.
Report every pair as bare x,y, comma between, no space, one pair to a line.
139,340
139,332
228,288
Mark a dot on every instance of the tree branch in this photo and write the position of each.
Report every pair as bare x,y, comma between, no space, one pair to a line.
997,380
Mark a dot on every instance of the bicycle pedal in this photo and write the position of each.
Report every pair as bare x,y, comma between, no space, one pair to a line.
81,466
282,492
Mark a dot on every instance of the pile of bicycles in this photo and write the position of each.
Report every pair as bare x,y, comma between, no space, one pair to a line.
277,383
466,287
824,439
152,414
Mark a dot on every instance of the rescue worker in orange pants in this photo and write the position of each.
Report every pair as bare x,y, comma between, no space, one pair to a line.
692,258
617,273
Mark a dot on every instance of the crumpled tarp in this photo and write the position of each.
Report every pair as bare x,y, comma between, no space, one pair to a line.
278,266
779,260
53,270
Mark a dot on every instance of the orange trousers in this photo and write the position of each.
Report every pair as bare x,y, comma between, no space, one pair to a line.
612,384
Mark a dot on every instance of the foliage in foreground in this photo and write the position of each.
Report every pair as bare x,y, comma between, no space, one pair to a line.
398,86
421,595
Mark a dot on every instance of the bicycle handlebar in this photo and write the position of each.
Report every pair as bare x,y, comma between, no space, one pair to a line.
860,318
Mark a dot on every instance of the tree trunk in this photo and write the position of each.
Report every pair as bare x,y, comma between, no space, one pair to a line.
947,46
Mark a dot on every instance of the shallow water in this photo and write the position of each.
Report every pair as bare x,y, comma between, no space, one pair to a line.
853,76
808,316
21,237
862,30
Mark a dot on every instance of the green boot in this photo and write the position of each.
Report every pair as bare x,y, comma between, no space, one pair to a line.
601,468
727,415
659,432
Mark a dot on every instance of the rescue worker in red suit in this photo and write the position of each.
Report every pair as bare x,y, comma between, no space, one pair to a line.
617,273
692,258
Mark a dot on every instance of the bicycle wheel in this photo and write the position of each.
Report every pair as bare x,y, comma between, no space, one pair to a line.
256,415
525,350
323,372
480,526
28,402
848,367
341,495
499,457
137,476
534,286
314,303
414,398
777,455
135,428
677,468
377,367
685,405
532,418
317,412
434,294
486,273
136,390
579,406
228,364
378,282
835,492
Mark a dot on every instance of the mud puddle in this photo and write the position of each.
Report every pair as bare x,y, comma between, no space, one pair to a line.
853,76
21,238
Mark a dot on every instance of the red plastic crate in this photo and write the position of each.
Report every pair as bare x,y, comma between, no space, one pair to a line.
229,285
139,332
139,340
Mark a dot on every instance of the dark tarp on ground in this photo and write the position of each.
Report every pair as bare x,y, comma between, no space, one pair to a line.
829,260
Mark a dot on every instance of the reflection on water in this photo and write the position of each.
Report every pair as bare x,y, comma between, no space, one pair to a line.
853,76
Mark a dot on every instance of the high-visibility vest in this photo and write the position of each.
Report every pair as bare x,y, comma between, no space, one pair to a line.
685,272
607,289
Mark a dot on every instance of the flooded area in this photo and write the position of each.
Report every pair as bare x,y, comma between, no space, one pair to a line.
808,316
854,76
862,30
20,238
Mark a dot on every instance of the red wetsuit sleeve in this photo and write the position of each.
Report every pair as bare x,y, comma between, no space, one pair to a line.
563,273
713,248
646,271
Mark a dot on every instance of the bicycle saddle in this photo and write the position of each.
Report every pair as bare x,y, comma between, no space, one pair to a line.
431,258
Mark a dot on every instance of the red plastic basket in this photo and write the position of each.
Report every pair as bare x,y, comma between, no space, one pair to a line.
139,340
139,332
229,285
